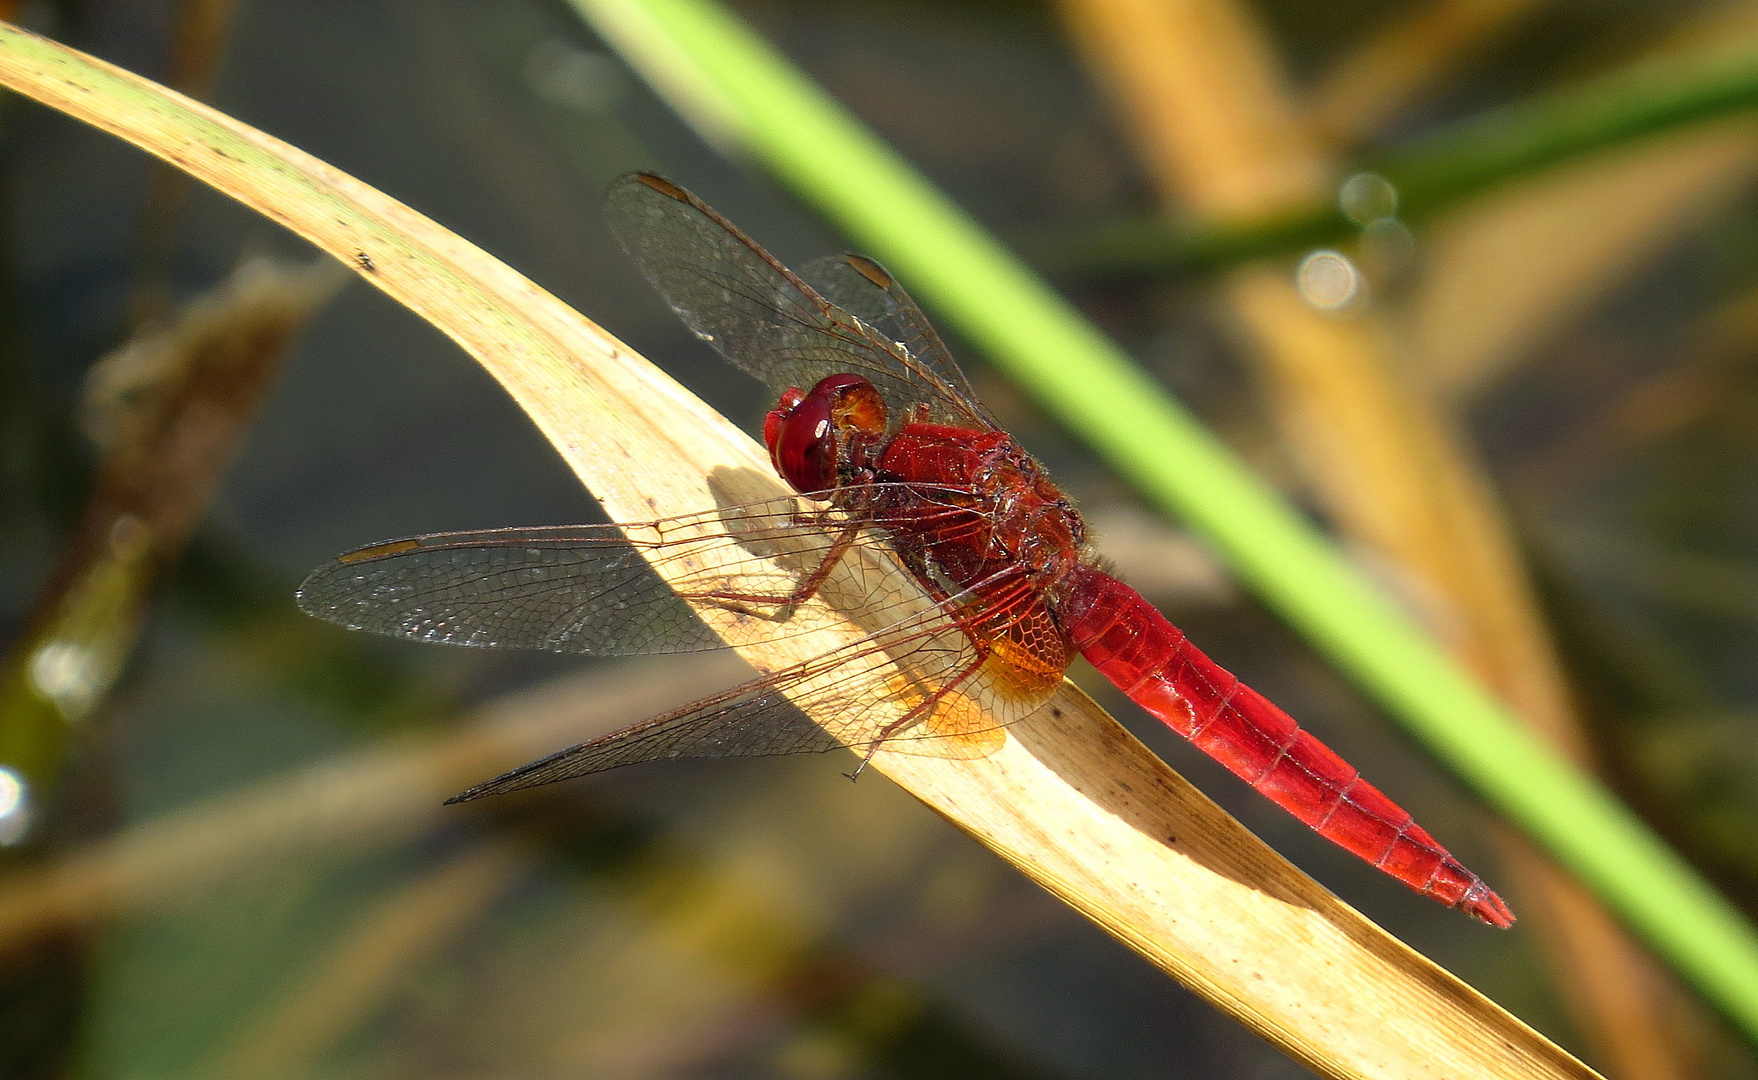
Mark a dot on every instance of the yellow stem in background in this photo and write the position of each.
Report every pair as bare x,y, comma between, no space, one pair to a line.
1388,71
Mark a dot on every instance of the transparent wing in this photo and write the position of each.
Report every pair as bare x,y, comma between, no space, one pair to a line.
921,684
572,588
758,313
866,290
591,589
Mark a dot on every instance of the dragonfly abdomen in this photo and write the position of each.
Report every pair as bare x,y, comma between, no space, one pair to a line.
1151,661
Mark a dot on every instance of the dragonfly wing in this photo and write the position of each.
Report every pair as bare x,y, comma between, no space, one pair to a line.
752,720
866,290
601,590
918,684
757,312
588,589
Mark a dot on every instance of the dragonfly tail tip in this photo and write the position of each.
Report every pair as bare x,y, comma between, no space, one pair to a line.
1486,906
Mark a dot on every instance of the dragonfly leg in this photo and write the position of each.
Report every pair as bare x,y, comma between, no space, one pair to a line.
806,589
927,704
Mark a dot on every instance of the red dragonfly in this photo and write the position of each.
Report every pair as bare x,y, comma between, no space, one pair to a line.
893,459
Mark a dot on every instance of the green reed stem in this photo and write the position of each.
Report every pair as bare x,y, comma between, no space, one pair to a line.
1440,170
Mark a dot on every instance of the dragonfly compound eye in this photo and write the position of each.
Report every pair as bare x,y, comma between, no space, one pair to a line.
772,423
802,442
808,433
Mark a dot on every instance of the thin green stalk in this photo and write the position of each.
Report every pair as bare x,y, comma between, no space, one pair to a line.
717,71
1442,169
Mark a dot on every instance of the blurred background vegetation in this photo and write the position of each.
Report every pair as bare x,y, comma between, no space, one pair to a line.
1525,398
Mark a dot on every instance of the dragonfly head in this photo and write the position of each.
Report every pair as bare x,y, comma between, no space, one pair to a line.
810,434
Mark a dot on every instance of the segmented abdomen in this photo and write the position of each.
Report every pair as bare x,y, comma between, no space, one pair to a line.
1152,662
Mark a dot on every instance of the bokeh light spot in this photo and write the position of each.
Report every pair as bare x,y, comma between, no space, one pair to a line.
1367,197
15,807
1328,280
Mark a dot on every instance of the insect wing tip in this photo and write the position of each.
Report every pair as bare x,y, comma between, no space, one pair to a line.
657,183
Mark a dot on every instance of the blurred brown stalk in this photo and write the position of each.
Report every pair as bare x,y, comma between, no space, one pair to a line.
1389,70
168,410
1480,311
1207,104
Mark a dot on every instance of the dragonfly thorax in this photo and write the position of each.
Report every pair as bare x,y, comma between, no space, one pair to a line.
982,504
1036,527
